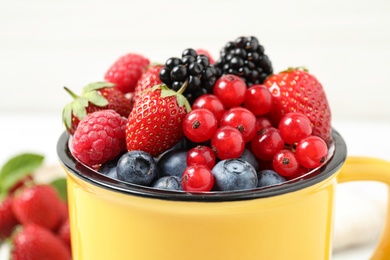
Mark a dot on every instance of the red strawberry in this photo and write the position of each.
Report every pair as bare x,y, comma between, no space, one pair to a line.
96,96
205,52
295,90
34,242
126,71
39,204
64,232
8,220
148,79
21,183
155,124
100,137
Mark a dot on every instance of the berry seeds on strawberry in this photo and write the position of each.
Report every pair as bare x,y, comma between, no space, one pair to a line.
295,90
95,97
40,205
36,242
155,123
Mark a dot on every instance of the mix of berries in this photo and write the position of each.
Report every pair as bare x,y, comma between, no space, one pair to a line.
34,217
196,125
193,69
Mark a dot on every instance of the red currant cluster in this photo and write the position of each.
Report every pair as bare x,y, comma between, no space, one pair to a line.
233,118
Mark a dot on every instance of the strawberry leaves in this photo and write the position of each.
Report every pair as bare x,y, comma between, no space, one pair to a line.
78,107
167,92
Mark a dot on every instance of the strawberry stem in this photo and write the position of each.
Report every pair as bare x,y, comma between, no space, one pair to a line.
70,92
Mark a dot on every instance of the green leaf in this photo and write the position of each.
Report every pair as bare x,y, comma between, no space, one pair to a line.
83,101
168,93
97,85
79,107
95,98
60,185
67,116
182,101
18,167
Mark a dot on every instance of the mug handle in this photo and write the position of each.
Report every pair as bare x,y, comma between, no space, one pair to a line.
370,169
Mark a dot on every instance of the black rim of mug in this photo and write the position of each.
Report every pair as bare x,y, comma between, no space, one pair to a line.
91,176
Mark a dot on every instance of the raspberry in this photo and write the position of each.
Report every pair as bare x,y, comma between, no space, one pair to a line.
207,54
100,137
148,79
126,71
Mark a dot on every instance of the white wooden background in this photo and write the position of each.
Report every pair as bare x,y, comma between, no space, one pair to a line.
45,45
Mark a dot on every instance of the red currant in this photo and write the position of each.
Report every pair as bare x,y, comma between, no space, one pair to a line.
301,171
197,178
210,102
258,99
311,152
262,122
294,126
230,89
285,163
267,143
199,125
201,155
227,143
242,119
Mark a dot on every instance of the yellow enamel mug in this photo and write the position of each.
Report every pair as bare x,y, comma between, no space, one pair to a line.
115,220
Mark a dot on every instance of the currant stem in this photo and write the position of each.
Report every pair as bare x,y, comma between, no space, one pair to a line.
183,87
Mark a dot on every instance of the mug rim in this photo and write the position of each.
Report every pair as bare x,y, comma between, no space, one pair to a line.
95,178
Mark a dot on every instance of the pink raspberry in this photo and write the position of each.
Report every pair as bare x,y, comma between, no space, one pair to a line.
100,137
126,71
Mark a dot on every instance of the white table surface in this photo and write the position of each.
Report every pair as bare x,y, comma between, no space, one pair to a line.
39,133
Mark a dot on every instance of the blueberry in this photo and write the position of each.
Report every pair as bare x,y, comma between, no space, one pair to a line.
109,168
269,177
137,167
234,174
168,183
172,163
248,156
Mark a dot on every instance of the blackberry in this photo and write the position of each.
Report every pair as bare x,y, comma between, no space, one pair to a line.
245,58
192,68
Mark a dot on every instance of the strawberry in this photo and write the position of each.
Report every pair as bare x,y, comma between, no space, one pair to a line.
126,71
64,233
21,183
39,204
95,97
155,124
34,242
148,79
295,90
8,220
